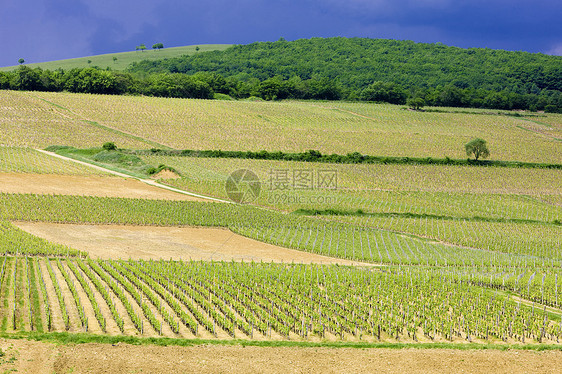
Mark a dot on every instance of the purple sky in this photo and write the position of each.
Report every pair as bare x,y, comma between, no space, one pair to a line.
43,30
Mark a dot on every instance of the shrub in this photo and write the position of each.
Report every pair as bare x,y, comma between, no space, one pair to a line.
109,146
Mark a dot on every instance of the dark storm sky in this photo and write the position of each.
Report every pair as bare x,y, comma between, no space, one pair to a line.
42,30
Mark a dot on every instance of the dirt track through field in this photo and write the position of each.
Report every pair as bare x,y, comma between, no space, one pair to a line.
85,186
148,242
39,357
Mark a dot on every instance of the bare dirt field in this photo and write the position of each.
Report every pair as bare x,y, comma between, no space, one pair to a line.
148,242
86,186
39,357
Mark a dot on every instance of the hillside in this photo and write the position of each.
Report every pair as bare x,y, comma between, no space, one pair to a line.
372,70
124,59
291,126
357,62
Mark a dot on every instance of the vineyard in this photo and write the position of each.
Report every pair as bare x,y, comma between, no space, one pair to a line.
429,291
388,254
385,130
27,160
269,301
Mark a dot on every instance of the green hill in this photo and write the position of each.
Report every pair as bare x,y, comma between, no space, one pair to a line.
358,62
124,59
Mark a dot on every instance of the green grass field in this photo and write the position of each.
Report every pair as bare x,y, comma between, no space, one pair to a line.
124,59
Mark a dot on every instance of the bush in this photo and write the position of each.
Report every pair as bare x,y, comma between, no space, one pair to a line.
415,103
220,96
254,98
109,146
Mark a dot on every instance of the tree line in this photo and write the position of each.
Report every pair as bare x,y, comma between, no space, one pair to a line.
98,81
397,72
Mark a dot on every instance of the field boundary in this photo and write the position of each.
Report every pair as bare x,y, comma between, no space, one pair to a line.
350,158
83,338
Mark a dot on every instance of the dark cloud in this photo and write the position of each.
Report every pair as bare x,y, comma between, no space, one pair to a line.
62,9
41,30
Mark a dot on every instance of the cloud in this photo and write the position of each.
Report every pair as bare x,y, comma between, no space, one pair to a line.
556,50
40,30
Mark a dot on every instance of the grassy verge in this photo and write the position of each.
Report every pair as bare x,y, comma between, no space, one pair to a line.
82,338
112,159
361,213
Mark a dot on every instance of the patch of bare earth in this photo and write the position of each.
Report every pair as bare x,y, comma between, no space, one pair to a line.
38,357
166,174
149,242
85,186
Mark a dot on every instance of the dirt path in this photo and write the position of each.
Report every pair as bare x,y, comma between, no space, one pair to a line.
143,242
38,357
56,313
69,302
86,186
110,324
93,324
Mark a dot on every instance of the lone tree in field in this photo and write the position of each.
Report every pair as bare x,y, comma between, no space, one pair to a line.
478,148
21,61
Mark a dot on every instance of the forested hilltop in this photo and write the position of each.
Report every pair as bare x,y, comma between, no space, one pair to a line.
391,71
355,68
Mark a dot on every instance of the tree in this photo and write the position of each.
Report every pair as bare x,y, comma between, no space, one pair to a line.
26,79
269,89
141,47
158,46
114,59
109,146
477,147
178,85
416,103
451,96
90,80
21,61
197,49
384,91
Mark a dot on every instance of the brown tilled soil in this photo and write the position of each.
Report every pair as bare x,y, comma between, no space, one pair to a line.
148,242
166,174
87,186
39,357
